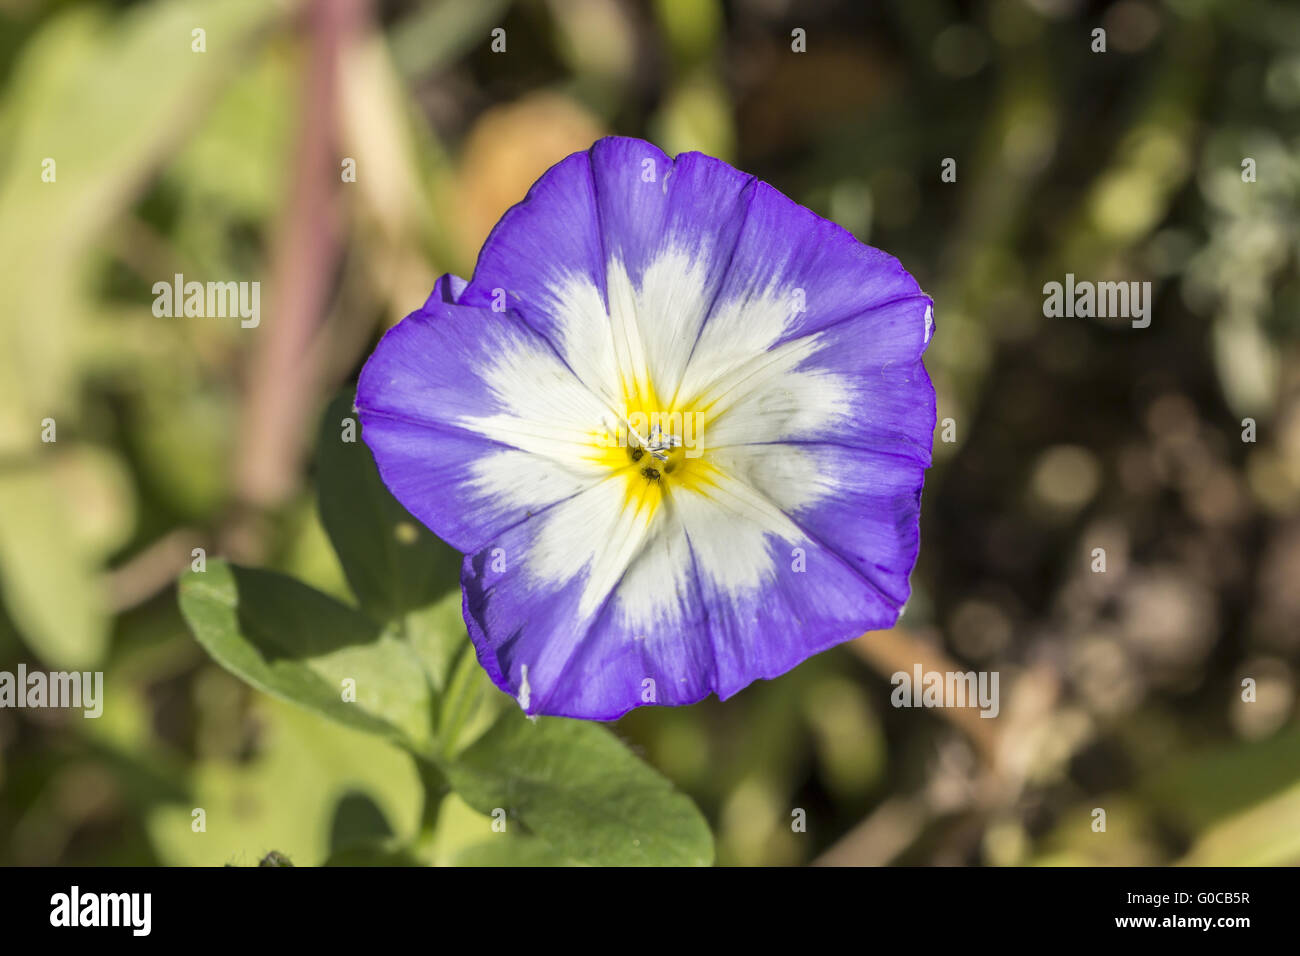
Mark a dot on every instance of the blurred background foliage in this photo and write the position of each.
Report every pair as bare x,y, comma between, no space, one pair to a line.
1120,690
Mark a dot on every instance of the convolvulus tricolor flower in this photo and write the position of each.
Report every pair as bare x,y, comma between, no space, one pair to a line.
677,423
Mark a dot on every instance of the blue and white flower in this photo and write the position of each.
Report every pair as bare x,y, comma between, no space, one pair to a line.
678,425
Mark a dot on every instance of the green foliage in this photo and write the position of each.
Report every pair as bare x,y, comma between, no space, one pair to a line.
314,790
401,667
48,580
392,562
578,787
103,138
292,641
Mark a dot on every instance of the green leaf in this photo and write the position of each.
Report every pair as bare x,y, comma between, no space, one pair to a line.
576,786
435,33
392,562
1188,788
294,642
470,706
570,785
572,792
85,92
295,795
1263,835
503,850
437,635
382,853
47,579
465,837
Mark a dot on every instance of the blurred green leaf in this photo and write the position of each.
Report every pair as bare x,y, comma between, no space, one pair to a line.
381,853
1200,789
393,563
1267,834
470,706
288,796
434,33
513,851
437,635
691,26
294,642
48,578
86,95
235,162
182,441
